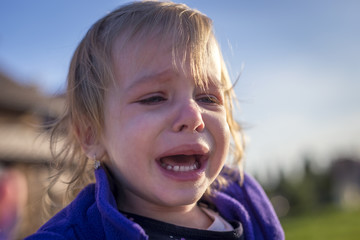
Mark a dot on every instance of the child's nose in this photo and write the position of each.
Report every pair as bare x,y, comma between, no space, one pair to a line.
189,118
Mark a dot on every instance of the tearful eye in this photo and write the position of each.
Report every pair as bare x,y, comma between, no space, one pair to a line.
209,99
152,100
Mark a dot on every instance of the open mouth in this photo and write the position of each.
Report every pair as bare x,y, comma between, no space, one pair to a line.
181,163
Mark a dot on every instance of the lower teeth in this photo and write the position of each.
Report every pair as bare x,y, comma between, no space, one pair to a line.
180,168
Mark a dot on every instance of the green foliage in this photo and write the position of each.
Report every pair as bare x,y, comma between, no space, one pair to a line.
307,200
311,193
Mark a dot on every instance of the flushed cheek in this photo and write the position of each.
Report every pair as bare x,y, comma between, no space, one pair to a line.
131,136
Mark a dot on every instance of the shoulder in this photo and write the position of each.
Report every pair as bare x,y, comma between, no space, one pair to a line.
252,204
246,190
236,180
70,221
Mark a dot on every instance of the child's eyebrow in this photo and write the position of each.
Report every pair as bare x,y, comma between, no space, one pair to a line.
165,76
157,78
216,84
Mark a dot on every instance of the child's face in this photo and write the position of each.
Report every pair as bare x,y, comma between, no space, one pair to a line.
166,139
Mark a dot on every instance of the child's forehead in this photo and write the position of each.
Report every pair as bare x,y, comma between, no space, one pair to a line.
137,50
151,55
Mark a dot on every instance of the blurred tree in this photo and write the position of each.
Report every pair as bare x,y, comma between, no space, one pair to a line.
310,193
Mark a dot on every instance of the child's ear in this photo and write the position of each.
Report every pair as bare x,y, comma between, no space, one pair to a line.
90,143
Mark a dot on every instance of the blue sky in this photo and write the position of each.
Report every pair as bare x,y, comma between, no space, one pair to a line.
299,64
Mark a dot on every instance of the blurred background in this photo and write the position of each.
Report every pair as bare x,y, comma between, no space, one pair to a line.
299,69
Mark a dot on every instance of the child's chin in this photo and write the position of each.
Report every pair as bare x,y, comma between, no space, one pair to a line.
182,197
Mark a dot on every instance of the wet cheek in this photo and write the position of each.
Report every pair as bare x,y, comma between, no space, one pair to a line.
132,131
224,137
219,132
218,125
146,123
226,131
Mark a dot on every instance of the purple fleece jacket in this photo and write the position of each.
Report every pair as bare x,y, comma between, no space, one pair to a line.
94,215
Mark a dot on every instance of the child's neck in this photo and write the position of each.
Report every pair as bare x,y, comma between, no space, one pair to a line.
187,216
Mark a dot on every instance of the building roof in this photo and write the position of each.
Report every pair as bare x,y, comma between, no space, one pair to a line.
23,109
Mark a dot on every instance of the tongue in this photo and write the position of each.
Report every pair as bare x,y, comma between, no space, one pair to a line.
179,160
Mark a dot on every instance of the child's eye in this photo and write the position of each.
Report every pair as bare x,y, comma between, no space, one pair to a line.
209,99
152,100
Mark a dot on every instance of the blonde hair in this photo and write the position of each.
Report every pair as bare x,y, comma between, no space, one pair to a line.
91,72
